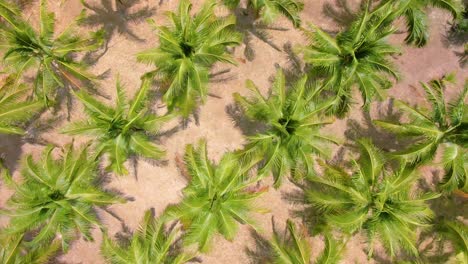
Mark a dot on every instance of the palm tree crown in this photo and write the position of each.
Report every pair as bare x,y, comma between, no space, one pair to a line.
14,109
150,244
269,10
56,197
358,56
374,198
123,130
216,198
293,119
25,48
446,124
186,52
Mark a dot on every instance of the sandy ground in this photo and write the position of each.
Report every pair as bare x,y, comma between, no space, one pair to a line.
158,185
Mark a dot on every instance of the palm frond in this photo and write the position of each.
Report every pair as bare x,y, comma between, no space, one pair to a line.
15,108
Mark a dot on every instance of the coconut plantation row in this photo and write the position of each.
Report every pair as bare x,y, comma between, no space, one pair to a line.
376,193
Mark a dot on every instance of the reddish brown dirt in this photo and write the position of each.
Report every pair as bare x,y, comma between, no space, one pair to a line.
157,186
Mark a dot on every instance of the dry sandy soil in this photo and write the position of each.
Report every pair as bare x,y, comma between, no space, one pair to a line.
158,185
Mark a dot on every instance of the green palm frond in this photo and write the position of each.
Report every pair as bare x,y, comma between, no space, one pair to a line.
151,243
217,198
55,198
446,126
51,57
14,108
269,10
123,130
187,50
359,56
293,118
8,11
293,247
457,233
14,251
375,199
415,15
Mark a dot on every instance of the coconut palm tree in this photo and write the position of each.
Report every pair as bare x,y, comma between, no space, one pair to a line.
123,130
14,251
150,244
293,118
56,197
375,198
14,109
269,10
415,15
187,50
51,57
293,247
217,198
445,126
357,57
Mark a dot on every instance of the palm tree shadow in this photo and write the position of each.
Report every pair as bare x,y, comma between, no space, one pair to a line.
462,57
446,207
247,126
294,68
262,253
10,151
341,12
10,145
367,129
115,20
250,28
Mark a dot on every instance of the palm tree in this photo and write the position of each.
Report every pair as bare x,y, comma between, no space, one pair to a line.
358,56
415,15
150,244
13,109
123,130
375,198
269,10
293,118
293,247
14,251
25,48
56,197
446,124
217,198
187,51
